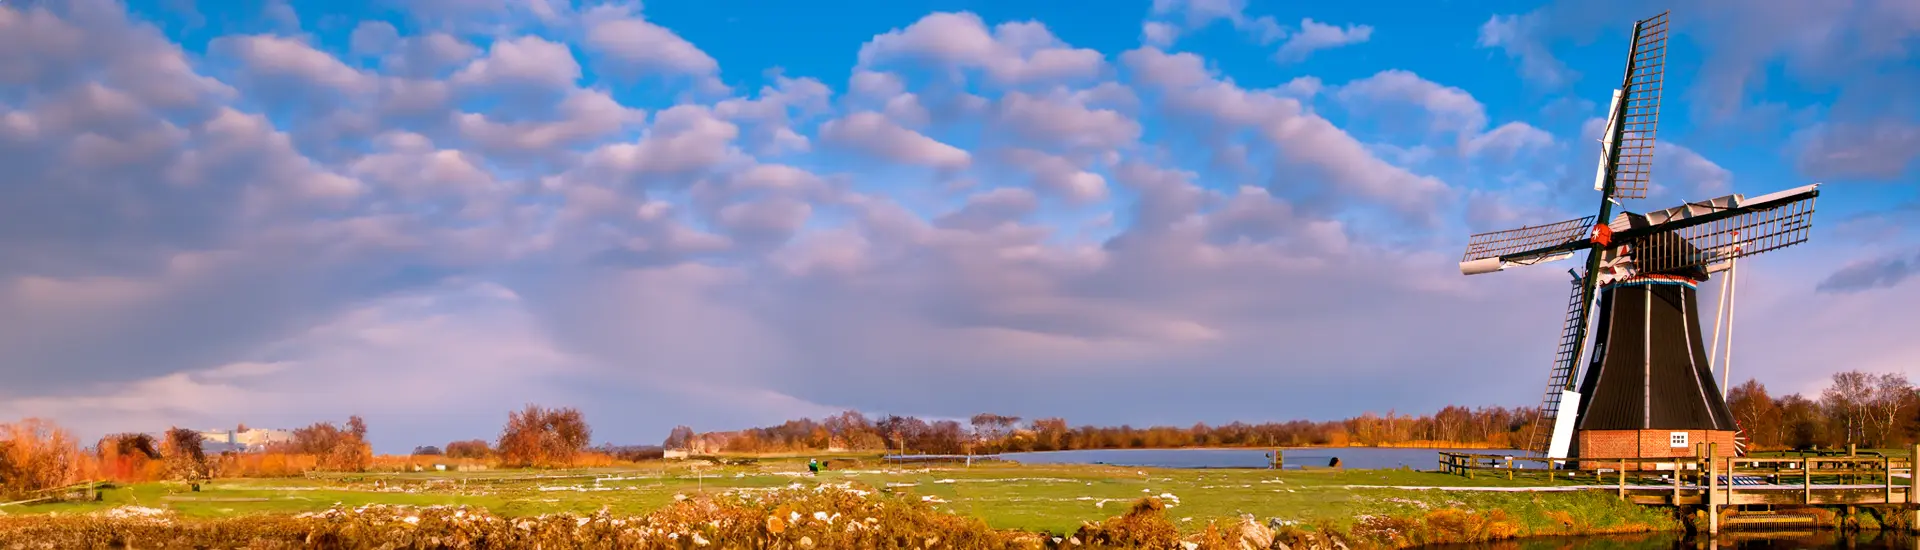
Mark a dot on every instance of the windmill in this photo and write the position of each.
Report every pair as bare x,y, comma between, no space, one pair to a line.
1648,389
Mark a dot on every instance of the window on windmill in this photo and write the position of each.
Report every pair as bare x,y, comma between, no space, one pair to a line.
1677,439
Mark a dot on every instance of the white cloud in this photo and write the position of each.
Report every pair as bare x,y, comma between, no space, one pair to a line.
584,117
1516,35
1012,53
1196,14
1315,36
524,61
1058,175
1300,137
280,56
1065,121
1452,109
873,134
635,46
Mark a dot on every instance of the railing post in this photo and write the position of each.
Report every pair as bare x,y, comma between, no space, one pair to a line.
1806,481
1730,484
1676,483
1886,467
1708,499
1913,474
1623,478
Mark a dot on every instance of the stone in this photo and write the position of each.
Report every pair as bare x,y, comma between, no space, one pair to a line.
1254,536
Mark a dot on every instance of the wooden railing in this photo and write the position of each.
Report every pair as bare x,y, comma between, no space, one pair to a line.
1704,479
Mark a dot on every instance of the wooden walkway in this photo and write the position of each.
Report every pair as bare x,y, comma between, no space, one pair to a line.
1701,480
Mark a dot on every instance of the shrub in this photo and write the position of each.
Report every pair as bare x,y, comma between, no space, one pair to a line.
537,436
1145,525
36,455
473,448
427,450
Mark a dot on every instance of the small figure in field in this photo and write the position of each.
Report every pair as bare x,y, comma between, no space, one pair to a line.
813,466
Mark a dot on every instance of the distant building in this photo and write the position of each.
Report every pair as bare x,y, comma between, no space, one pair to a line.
252,440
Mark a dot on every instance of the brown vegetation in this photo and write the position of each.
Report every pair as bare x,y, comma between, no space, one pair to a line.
537,436
336,449
129,457
36,455
186,459
1145,525
822,517
473,448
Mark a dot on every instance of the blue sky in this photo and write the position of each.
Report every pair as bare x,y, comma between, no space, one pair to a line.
730,213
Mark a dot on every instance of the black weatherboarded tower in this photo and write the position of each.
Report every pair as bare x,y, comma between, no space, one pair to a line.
1648,389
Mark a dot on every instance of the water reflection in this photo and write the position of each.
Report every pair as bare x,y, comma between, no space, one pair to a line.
1739,540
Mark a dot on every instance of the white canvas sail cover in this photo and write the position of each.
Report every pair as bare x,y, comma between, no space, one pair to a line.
1563,424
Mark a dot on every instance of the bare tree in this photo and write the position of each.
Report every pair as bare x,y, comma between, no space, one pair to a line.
1756,413
1847,401
1889,396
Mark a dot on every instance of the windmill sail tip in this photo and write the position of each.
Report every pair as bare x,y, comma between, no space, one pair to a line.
1483,265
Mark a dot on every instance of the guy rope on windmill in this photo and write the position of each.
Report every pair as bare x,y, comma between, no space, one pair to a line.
1648,389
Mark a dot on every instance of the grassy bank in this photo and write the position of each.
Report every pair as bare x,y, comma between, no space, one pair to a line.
1380,505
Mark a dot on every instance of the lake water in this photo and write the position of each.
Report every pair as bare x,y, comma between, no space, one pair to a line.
1350,457
1739,540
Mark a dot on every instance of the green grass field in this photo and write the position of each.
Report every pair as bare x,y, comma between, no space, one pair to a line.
1033,498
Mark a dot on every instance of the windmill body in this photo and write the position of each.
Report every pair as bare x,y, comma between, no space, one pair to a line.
1648,387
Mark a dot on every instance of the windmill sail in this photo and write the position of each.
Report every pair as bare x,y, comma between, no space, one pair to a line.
1494,251
1636,109
1546,435
1685,237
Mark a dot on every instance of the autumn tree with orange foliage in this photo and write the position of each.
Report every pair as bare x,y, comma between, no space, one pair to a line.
538,436
36,455
128,457
337,449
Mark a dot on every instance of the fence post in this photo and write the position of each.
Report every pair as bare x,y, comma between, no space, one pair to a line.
1510,470
1730,462
1708,499
1623,478
1806,481
1913,477
1886,467
1676,484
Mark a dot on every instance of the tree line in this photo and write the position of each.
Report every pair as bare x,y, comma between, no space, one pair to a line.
1859,408
988,433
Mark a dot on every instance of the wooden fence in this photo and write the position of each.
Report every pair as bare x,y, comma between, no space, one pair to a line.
1852,479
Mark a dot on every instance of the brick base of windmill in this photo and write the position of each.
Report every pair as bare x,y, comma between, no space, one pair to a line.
1650,444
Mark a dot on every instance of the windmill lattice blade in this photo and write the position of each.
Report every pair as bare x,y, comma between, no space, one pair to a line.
1513,241
1562,374
1772,227
1646,74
